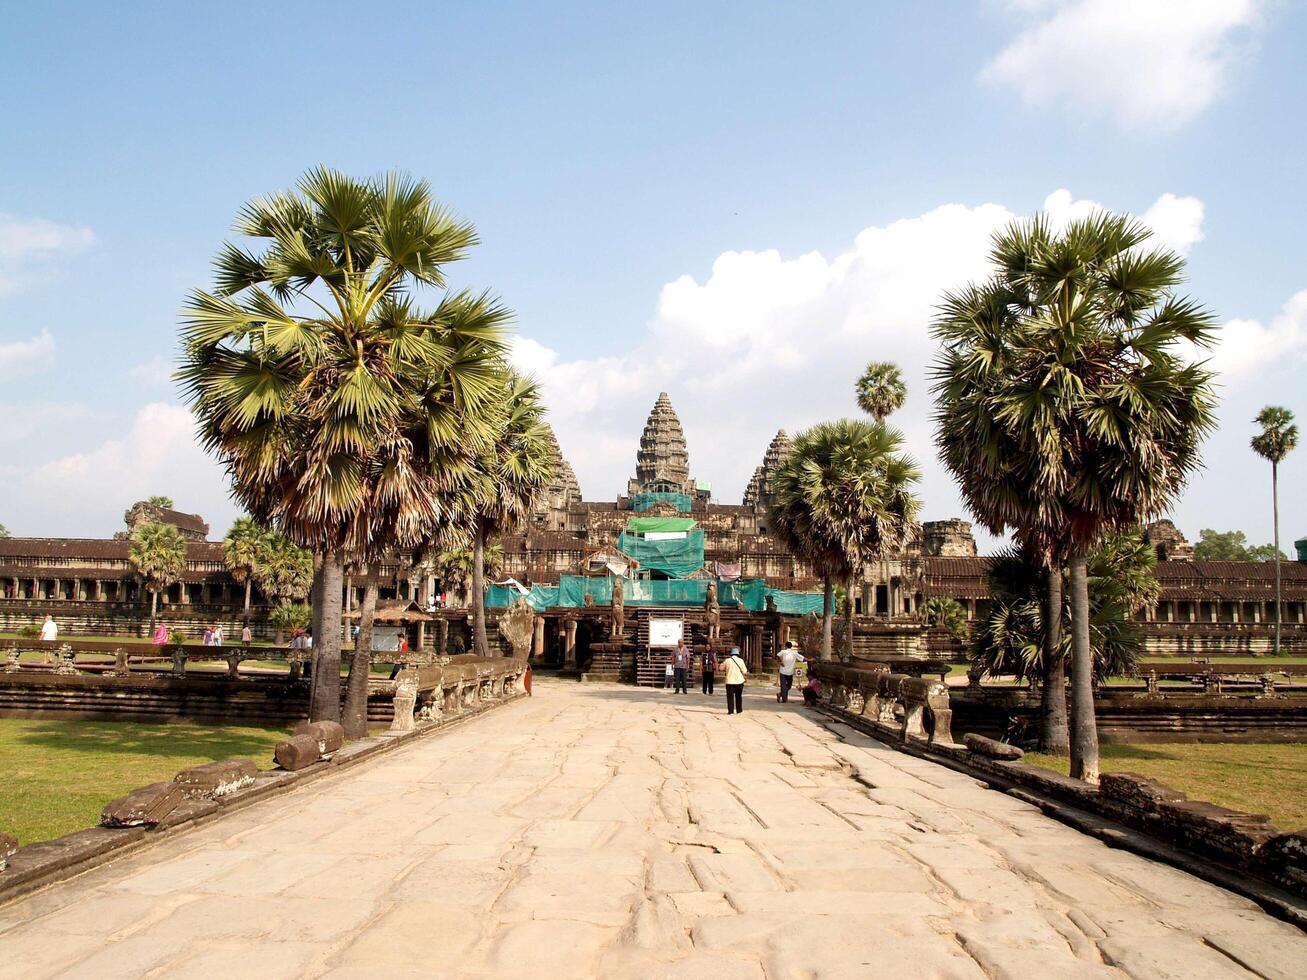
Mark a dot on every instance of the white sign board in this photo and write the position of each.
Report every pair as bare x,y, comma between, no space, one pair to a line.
665,632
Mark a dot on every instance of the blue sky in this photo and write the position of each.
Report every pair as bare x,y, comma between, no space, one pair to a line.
737,203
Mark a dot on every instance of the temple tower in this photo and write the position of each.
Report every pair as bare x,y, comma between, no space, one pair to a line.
551,505
662,464
760,493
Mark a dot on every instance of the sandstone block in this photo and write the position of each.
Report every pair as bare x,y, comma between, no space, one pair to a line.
297,752
143,807
8,845
1139,791
981,745
215,779
330,735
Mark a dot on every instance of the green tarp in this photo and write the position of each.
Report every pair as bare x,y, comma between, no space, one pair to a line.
571,591
660,525
678,557
641,502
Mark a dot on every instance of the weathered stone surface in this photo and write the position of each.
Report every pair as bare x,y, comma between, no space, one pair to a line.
215,779
594,831
144,807
330,735
1136,790
990,748
297,752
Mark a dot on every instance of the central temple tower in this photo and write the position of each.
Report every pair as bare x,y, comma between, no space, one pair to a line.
662,464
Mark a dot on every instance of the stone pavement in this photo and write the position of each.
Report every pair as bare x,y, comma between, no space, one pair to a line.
601,831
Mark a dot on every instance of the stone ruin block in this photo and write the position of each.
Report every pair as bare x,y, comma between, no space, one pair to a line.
8,845
991,749
1138,791
297,752
330,735
215,779
144,807
1228,832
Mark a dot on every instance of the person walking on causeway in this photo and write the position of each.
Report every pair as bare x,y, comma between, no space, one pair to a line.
736,671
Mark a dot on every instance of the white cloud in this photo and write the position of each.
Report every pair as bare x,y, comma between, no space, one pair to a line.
34,354
86,492
1177,222
769,342
157,370
1149,64
1246,346
25,243
29,422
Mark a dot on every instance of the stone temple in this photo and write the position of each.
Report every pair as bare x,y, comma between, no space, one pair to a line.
561,556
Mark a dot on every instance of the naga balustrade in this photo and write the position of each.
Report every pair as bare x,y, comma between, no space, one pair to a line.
125,654
917,706
428,692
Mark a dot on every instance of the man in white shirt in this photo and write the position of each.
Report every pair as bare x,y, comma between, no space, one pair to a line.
49,630
789,657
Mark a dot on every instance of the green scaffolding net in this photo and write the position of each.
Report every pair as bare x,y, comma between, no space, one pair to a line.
571,590
678,557
641,502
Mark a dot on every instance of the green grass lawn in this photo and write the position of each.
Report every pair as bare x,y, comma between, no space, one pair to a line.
1270,779
59,774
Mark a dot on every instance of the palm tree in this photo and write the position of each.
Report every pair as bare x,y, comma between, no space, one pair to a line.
881,391
510,474
160,501
843,497
283,570
241,549
1066,406
158,553
948,613
1278,438
343,412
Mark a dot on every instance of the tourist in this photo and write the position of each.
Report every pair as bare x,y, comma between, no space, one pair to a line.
49,630
207,637
217,635
160,636
680,665
789,657
812,692
246,636
736,671
708,668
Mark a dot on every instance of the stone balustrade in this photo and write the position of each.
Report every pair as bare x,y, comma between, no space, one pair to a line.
429,692
917,707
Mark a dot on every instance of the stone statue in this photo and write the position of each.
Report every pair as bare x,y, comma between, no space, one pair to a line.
713,611
619,609
517,625
589,600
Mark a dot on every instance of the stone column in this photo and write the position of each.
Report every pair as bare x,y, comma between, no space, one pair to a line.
538,639
755,648
443,634
569,645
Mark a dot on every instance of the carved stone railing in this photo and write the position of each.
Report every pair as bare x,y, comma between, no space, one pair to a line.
912,707
428,693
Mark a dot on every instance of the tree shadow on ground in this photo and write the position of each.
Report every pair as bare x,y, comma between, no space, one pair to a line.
133,738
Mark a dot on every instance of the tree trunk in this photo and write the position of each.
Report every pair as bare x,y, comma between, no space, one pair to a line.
1054,738
848,625
356,687
248,583
154,608
827,610
479,641
1084,731
315,624
1275,510
326,667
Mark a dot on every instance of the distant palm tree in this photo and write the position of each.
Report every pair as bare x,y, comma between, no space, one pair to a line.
1278,438
160,501
947,612
1065,405
881,391
344,412
283,570
158,553
241,548
510,474
843,497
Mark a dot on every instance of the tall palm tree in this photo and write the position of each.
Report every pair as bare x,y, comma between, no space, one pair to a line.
1278,438
342,410
510,474
241,548
158,553
160,501
843,497
881,391
1066,405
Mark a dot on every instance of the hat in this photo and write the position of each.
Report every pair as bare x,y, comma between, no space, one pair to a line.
735,651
